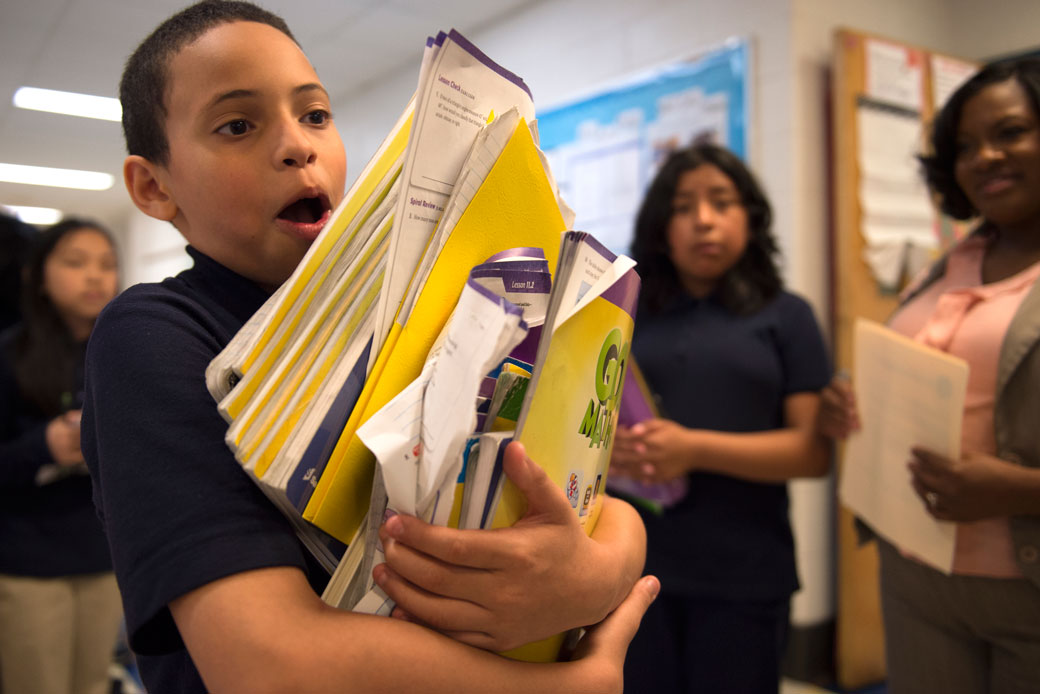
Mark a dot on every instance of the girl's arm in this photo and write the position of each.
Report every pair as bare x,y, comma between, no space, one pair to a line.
23,454
664,450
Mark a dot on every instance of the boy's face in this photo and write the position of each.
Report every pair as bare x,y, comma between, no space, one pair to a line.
256,164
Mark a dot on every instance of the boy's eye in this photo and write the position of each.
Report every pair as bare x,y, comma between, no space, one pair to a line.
318,117
235,127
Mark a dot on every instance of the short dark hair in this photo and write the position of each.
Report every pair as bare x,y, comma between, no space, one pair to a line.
940,162
45,351
143,87
749,284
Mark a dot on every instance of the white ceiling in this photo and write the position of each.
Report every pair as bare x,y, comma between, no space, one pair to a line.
81,45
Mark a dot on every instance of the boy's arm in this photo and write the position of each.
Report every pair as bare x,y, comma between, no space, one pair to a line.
498,589
266,631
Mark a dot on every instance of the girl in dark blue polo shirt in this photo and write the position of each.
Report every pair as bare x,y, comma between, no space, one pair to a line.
737,364
59,605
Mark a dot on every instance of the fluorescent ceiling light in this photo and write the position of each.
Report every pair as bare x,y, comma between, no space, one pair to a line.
43,216
58,178
69,103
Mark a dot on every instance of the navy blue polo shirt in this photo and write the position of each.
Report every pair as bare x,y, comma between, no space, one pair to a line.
45,530
178,510
712,369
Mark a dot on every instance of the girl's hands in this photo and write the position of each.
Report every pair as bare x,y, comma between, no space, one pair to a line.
657,450
62,436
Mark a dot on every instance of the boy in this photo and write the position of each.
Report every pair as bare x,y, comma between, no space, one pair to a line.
230,138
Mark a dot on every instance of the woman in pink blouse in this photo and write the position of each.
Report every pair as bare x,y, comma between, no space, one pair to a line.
978,629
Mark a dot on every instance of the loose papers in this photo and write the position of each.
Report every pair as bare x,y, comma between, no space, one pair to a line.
908,395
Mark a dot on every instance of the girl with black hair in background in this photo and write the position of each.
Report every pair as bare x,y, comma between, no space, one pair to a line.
59,605
737,364
976,630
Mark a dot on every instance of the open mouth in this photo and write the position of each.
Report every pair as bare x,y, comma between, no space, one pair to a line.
305,210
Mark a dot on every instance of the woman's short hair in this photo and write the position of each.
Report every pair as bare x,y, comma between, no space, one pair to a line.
940,162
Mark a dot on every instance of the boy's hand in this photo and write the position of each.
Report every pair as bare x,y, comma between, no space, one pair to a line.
502,588
604,647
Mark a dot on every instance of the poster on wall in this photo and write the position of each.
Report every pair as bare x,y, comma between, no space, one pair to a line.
605,147
895,74
947,75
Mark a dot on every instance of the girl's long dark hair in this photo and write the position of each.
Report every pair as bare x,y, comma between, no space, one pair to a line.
46,355
749,284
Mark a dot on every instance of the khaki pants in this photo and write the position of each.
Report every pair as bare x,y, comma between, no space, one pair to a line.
958,634
57,635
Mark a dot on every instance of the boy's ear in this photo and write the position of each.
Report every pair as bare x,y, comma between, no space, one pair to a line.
147,188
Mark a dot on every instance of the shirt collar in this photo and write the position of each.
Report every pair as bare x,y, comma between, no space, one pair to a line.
239,295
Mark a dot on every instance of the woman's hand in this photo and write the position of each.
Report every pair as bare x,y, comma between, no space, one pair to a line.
838,415
62,435
974,487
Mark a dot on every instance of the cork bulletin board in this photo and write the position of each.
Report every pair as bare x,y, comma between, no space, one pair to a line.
884,93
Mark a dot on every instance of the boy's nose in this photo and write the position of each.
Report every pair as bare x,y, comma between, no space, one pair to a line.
295,148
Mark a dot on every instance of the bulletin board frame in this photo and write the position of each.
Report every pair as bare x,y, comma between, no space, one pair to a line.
859,638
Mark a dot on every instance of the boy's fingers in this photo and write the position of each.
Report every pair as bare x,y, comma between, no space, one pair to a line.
463,549
615,632
544,498
419,548
477,639
423,607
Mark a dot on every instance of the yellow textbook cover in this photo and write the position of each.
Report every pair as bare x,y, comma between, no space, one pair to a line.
515,206
568,424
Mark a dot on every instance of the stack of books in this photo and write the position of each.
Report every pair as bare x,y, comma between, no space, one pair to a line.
444,311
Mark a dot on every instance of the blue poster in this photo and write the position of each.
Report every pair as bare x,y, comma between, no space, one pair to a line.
604,148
